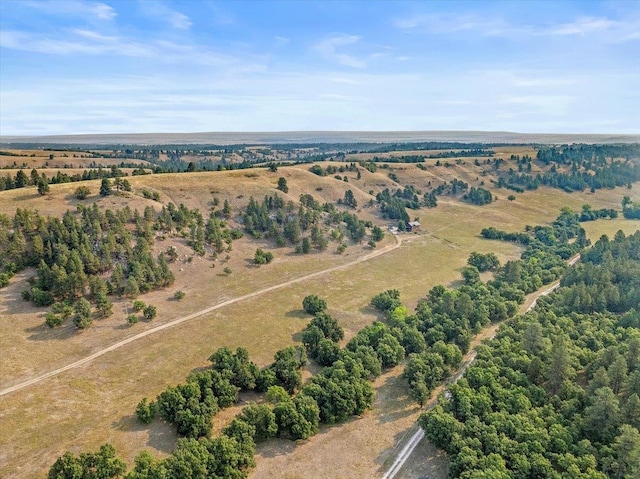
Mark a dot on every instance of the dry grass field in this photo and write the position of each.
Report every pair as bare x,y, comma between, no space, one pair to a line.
47,159
94,403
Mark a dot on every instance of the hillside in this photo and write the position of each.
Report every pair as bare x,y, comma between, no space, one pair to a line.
94,403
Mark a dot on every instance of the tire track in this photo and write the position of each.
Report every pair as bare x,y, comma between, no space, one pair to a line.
175,322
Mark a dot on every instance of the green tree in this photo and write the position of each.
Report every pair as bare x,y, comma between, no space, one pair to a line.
327,352
386,301
627,449
262,418
82,318
471,275
21,180
43,186
67,466
241,371
602,417
103,305
226,210
311,337
313,304
618,374
262,257
377,234
484,262
560,368
305,248
290,422
277,394
147,467
329,326
52,319
146,411
282,184
105,187
131,287
350,199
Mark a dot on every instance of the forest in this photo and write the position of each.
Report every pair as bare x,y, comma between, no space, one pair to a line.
556,393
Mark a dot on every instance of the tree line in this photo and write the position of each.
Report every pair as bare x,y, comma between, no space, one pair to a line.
35,178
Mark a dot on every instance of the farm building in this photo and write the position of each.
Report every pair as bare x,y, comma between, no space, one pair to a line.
413,226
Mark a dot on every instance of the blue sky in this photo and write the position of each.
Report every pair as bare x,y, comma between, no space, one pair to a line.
129,66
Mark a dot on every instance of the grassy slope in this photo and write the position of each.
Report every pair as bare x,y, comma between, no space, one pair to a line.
85,407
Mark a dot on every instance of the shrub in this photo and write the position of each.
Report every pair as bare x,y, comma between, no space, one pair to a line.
82,192
52,320
138,305
149,312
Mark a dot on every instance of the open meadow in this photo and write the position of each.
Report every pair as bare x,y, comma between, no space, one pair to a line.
86,406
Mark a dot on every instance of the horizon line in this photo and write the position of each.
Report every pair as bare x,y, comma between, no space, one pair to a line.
320,136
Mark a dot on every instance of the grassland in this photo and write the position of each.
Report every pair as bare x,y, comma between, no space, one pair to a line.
92,404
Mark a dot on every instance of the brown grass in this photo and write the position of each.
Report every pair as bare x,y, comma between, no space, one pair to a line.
85,407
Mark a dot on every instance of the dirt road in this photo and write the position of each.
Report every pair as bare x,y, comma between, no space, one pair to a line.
119,344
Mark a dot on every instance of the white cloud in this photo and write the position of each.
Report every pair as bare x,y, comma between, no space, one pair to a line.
626,29
330,50
89,42
345,80
161,11
281,41
584,26
93,44
448,23
78,8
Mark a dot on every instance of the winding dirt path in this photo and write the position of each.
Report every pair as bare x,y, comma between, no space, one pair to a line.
124,342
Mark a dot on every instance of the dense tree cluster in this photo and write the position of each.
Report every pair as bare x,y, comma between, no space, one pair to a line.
556,393
443,324
305,227
332,169
40,180
589,214
479,196
213,234
392,206
580,167
452,188
89,254
103,464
